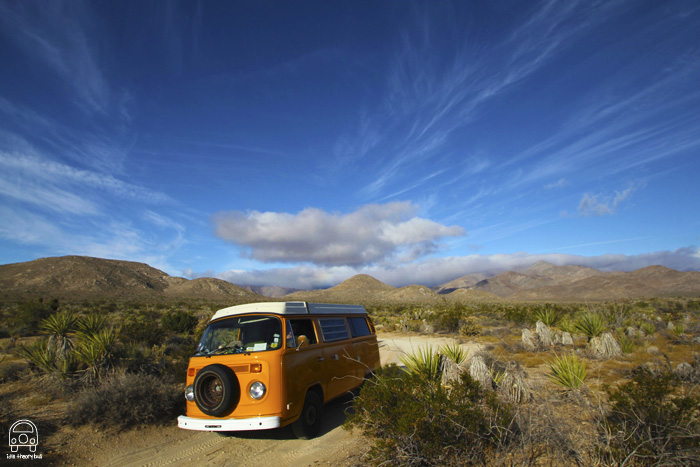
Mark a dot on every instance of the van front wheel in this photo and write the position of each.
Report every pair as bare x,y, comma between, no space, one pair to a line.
309,422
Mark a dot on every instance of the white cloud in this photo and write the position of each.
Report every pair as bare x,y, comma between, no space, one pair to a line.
600,205
372,234
436,271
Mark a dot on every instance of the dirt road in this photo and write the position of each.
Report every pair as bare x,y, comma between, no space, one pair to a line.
174,447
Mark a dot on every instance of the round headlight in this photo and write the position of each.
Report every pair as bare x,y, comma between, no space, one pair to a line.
189,393
257,390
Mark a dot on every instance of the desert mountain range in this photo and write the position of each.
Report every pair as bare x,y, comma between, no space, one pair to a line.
80,277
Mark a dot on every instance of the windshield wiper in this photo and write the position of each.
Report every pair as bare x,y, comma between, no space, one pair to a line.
222,348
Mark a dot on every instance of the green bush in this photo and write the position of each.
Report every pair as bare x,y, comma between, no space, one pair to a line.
446,320
651,422
412,421
181,322
26,320
127,399
141,326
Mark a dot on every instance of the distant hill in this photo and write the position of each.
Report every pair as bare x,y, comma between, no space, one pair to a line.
82,277
366,289
76,278
358,289
271,291
545,281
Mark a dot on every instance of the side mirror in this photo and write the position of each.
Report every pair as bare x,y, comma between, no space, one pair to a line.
302,341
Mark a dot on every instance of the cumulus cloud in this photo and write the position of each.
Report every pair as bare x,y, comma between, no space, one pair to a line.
599,205
436,271
370,235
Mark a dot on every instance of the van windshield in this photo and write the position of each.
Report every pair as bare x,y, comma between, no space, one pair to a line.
241,334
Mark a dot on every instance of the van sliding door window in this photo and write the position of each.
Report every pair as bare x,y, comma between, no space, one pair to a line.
359,327
300,327
333,329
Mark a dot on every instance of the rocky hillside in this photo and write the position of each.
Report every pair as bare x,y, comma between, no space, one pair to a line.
545,281
81,277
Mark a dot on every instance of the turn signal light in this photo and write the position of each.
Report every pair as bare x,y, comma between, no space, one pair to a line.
256,368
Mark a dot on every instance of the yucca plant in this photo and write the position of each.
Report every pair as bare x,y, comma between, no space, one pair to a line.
678,330
38,354
627,343
568,371
590,324
548,315
92,323
454,352
59,326
96,352
425,363
648,328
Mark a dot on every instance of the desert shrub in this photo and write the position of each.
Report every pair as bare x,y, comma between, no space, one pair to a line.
12,371
29,315
180,321
446,320
518,314
127,399
469,328
141,326
650,422
416,423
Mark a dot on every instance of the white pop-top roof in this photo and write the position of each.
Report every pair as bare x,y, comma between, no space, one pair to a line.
290,308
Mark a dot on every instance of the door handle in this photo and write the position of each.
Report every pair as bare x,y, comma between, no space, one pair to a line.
320,359
336,357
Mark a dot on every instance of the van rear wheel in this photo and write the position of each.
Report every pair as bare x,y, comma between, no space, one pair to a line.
309,423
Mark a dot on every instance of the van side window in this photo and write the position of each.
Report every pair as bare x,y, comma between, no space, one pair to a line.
300,327
333,329
359,327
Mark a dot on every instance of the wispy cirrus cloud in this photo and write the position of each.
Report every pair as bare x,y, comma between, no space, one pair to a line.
58,35
433,90
56,186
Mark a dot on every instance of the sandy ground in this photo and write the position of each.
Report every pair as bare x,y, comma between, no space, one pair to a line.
156,446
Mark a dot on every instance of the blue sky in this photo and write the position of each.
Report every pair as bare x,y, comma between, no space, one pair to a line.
300,143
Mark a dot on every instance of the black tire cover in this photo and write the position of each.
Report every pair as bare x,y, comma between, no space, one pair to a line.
216,390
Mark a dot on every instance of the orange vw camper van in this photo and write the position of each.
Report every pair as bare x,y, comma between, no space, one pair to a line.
267,365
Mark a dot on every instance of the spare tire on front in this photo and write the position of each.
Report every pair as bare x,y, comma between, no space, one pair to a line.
216,390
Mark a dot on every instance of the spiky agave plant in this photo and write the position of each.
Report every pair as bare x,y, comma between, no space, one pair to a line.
96,352
591,324
454,352
424,363
92,323
548,315
38,354
568,371
60,327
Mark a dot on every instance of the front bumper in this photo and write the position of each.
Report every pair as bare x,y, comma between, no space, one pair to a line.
228,424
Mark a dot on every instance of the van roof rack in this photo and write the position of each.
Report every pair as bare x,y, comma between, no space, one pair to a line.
291,308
